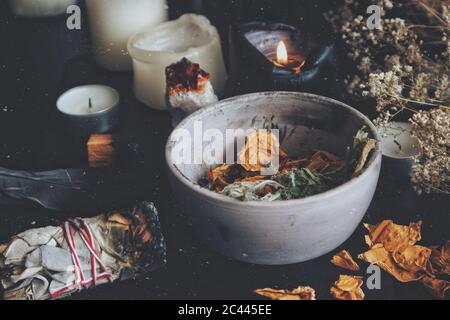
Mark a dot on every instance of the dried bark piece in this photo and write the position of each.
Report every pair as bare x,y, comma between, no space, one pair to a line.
440,259
348,288
299,293
344,260
379,256
361,162
392,236
288,164
437,286
323,162
101,151
261,148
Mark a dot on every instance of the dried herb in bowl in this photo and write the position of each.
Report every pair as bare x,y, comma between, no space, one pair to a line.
295,179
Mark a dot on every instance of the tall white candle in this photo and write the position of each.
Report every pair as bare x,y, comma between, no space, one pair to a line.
40,8
191,36
112,22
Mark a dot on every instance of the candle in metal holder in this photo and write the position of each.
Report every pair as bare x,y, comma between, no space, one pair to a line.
89,109
399,148
276,56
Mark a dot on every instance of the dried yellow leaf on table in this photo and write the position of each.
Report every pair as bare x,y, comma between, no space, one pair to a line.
299,293
344,260
348,288
392,236
437,286
261,148
382,258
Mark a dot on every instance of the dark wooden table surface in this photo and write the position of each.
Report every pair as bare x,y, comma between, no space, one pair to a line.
39,58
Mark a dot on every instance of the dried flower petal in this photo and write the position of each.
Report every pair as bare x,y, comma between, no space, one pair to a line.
369,145
392,236
436,286
260,150
344,260
413,258
253,179
440,259
379,256
348,288
217,175
300,293
393,249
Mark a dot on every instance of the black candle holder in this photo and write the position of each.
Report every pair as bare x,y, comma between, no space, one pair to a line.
253,65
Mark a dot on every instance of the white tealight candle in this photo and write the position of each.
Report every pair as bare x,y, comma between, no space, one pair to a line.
113,22
399,147
90,108
192,37
40,8
397,141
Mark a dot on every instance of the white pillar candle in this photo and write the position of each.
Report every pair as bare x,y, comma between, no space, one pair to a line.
40,8
191,36
113,22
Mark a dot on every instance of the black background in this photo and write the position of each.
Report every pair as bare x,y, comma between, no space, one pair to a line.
40,58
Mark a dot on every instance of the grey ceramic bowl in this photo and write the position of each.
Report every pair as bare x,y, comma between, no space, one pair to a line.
280,232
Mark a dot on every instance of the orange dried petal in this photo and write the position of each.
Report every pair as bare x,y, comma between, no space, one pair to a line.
254,178
392,236
220,171
261,148
437,286
413,258
344,260
348,288
440,259
382,258
299,293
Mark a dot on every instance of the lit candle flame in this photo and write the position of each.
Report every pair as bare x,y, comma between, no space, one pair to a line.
282,55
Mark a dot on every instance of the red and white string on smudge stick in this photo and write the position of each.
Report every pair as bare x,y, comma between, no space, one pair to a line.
86,235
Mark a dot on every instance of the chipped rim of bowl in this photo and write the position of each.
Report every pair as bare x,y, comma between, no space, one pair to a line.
219,198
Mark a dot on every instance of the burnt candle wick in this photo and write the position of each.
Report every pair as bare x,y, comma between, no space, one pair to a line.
90,103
